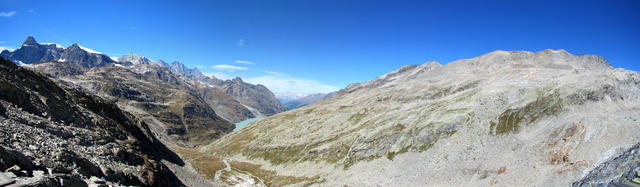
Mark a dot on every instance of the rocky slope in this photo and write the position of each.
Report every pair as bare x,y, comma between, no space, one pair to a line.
507,118
148,89
54,134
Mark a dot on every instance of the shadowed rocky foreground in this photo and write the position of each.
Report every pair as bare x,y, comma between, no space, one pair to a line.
56,135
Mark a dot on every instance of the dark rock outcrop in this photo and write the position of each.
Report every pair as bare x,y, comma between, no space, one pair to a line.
618,171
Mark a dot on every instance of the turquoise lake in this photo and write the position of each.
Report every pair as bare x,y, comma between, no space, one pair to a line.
241,124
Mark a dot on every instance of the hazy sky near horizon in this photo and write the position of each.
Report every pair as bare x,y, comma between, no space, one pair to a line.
320,46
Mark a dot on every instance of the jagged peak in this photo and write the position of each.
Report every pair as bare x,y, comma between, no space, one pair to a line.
30,41
237,79
74,45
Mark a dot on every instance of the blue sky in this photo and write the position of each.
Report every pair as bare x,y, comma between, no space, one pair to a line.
319,46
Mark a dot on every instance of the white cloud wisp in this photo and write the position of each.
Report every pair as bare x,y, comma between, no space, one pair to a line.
240,43
244,62
226,67
7,14
294,85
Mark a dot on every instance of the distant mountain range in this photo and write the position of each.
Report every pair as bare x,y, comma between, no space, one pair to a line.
192,107
293,101
31,52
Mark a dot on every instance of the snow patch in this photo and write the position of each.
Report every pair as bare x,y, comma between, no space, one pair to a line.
57,46
62,60
20,63
89,50
114,59
118,65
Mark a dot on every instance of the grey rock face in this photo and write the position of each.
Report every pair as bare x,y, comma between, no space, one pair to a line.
619,171
76,54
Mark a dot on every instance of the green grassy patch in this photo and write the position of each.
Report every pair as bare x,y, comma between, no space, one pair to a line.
511,119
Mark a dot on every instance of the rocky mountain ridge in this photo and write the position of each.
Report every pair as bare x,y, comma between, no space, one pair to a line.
31,52
256,98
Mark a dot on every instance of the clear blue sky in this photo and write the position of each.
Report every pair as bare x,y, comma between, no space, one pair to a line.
313,46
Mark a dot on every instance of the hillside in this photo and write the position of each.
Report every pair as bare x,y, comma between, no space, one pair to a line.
53,134
508,117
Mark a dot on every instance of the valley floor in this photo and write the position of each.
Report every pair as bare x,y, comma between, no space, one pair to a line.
228,172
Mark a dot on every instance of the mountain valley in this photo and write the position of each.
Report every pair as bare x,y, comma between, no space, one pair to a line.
74,116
